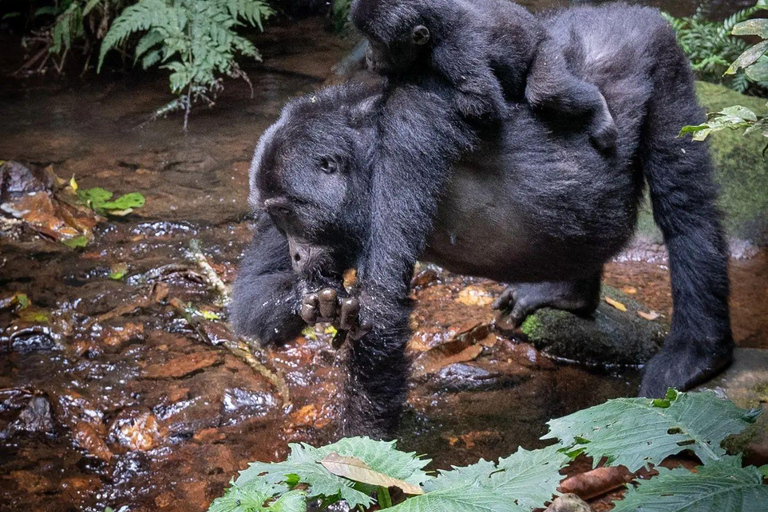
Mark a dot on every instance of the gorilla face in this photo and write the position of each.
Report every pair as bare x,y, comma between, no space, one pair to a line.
397,40
307,174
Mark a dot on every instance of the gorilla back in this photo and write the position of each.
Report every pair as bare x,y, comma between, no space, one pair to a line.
536,207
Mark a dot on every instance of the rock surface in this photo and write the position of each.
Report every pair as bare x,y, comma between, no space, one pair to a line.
609,337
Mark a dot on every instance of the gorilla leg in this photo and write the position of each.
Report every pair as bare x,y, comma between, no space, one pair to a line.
521,299
683,195
266,295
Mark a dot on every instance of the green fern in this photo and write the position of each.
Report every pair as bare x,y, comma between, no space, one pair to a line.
711,47
196,40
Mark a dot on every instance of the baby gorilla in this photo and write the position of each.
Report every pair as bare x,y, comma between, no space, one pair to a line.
491,51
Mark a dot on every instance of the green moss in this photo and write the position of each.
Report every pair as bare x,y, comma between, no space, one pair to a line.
531,326
740,168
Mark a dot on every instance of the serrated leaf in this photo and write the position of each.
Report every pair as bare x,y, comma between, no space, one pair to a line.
758,72
357,470
634,432
721,486
254,497
94,197
530,477
475,474
458,499
303,465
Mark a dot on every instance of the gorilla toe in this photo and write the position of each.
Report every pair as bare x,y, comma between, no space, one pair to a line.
681,369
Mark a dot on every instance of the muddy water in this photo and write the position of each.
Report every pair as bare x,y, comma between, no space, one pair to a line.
110,397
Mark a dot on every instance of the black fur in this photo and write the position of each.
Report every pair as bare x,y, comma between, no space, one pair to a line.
491,51
536,207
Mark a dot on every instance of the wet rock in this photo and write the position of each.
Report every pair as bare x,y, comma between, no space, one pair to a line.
568,503
611,336
138,431
89,440
116,336
242,403
182,366
26,339
471,377
746,384
17,179
35,417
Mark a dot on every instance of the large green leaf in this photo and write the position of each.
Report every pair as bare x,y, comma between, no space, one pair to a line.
721,486
303,465
257,497
530,478
526,478
458,499
635,432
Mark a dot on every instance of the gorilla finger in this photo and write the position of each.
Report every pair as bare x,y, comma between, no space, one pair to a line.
308,313
502,301
328,304
358,332
339,338
519,313
349,310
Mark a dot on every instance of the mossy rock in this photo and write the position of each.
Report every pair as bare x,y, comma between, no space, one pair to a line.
609,336
745,383
740,170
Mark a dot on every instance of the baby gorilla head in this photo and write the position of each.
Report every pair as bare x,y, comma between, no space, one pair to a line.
400,34
309,175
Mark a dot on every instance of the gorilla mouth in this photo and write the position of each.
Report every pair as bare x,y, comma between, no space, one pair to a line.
305,257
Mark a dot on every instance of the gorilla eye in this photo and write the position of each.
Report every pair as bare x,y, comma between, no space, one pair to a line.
420,35
328,166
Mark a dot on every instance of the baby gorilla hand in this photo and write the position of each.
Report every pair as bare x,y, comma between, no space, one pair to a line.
340,312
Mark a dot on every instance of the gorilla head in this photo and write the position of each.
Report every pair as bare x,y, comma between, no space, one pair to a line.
402,37
308,174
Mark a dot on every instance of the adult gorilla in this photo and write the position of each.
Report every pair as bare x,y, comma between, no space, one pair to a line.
351,177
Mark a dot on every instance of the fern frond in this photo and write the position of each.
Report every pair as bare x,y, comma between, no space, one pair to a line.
135,18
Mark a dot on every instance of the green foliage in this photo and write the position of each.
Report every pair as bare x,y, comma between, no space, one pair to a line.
99,200
636,432
711,47
65,24
753,64
633,432
722,485
339,15
303,465
196,40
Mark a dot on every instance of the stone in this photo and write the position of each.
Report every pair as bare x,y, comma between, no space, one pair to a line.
568,503
745,383
35,417
609,337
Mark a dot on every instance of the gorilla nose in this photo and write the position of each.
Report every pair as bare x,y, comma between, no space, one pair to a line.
277,207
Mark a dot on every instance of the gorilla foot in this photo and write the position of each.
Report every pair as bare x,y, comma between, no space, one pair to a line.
681,369
341,312
521,299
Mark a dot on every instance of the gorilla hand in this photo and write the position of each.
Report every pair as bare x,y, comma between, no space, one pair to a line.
341,312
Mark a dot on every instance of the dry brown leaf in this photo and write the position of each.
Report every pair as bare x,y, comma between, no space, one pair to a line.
618,305
653,315
357,470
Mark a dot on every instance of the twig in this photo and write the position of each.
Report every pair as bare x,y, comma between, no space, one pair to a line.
209,273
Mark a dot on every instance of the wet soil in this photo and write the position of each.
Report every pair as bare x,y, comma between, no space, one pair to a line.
110,396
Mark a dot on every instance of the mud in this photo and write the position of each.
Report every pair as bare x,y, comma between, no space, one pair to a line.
130,391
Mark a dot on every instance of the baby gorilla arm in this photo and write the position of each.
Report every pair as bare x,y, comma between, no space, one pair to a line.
553,89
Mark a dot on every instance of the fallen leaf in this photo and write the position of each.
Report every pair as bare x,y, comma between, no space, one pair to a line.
653,315
435,359
475,296
618,305
357,470
629,290
596,482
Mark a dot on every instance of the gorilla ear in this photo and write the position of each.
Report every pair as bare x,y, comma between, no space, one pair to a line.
420,35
